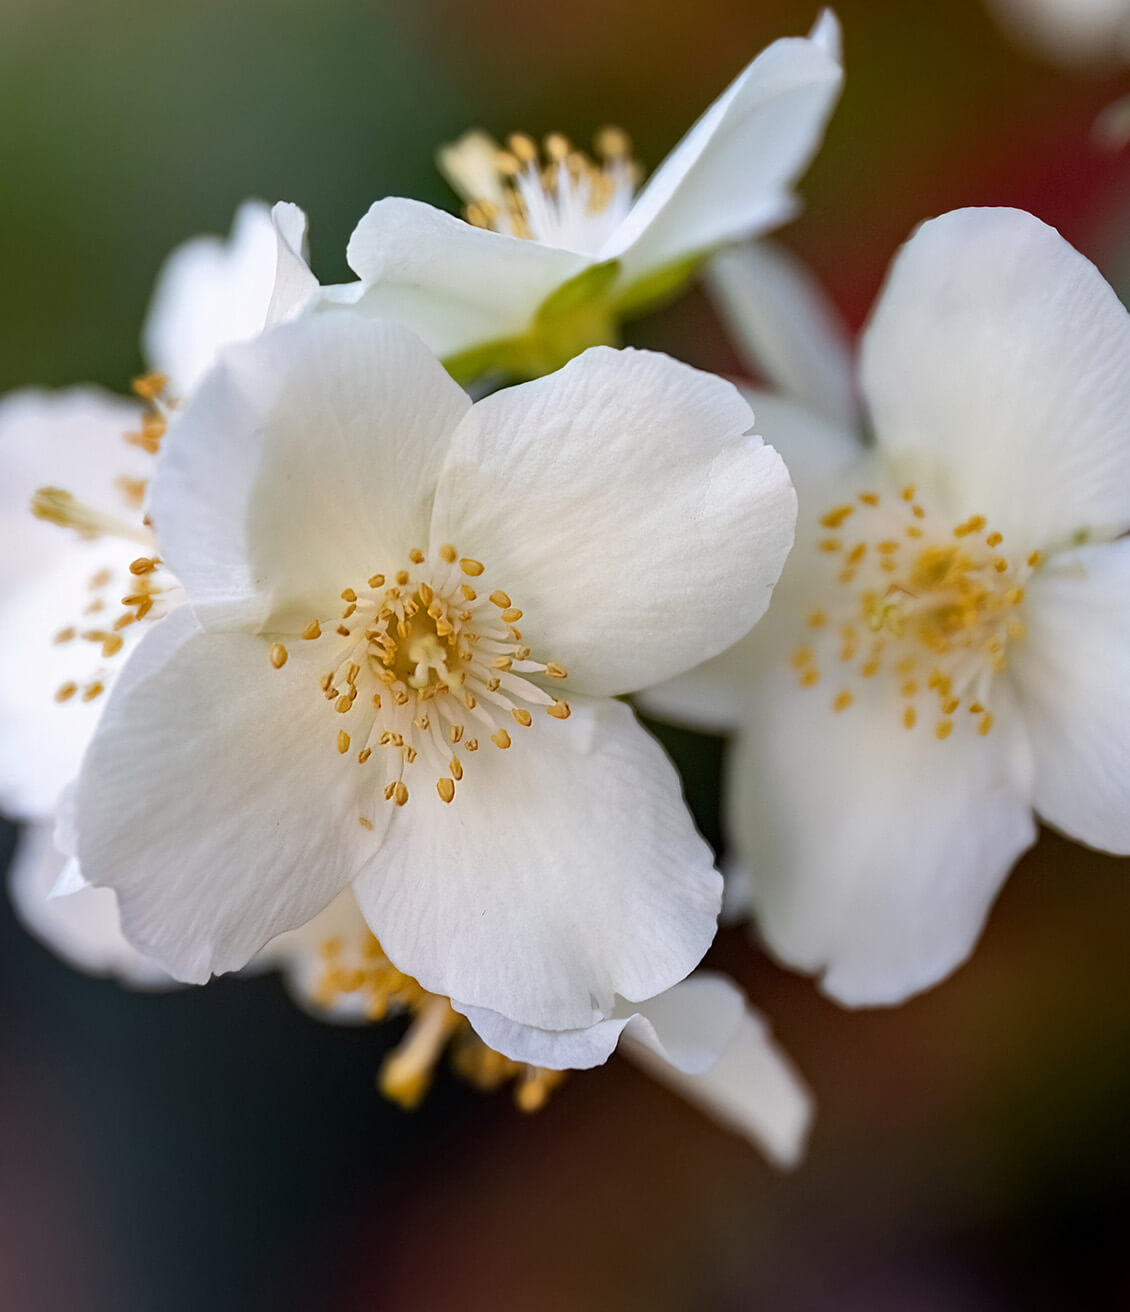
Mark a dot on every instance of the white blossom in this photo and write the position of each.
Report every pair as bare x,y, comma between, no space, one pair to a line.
558,247
946,652
349,699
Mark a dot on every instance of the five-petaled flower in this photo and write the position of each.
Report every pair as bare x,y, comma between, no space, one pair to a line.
947,649
558,249
349,698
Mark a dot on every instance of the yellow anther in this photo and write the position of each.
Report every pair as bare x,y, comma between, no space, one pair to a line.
559,710
150,387
363,755
512,615
801,657
143,565
830,545
908,492
887,546
817,619
446,789
869,498
1035,559
455,732
843,700
376,581
943,729
810,677
501,739
472,567
278,655
342,742
500,599
909,717
834,518
400,792
986,725
524,718
456,768
312,630
467,592
994,540
416,556
448,553
364,822
347,594
92,690
555,671
65,692
402,577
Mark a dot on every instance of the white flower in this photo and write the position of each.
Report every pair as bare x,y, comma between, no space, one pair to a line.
559,248
1070,31
947,650
700,1037
70,604
359,544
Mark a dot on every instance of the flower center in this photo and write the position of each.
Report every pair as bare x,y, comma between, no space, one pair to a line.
931,607
423,666
557,195
355,969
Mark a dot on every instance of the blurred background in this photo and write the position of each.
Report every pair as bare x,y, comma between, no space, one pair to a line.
216,1148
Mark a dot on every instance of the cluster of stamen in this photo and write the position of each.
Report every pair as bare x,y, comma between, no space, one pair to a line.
427,668
102,627
934,608
358,972
556,194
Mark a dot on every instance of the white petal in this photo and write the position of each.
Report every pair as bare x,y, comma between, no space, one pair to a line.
83,927
619,505
997,369
41,739
214,801
566,872
875,851
455,285
72,440
688,1026
752,1089
819,456
732,175
1073,679
786,330
211,291
294,283
305,463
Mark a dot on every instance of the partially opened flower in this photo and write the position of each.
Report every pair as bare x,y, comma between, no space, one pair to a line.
558,248
350,699
80,577
947,650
